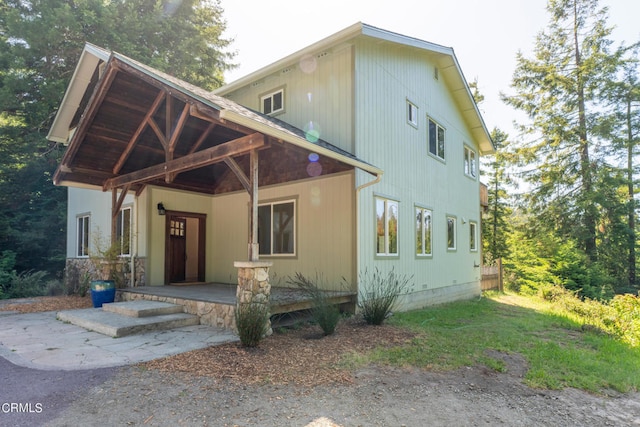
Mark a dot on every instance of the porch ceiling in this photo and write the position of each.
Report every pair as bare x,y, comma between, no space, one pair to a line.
142,127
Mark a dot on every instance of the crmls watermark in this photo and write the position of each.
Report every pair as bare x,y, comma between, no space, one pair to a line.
28,408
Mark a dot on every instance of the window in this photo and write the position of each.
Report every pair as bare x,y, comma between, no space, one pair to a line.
82,247
412,114
123,231
423,231
273,102
436,139
386,227
451,233
473,236
276,228
469,162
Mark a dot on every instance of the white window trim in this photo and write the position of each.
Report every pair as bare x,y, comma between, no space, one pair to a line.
424,254
437,155
455,233
295,233
83,217
412,114
469,162
387,240
271,95
121,236
473,236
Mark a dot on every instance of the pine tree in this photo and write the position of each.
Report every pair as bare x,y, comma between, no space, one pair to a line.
558,89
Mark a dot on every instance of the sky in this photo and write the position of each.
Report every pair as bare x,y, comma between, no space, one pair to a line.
485,34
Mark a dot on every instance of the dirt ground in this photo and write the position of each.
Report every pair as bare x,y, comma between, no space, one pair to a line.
295,378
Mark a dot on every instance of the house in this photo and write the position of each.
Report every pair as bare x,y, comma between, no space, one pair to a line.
356,153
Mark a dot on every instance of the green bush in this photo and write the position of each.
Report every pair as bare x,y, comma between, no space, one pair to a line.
379,293
325,314
252,323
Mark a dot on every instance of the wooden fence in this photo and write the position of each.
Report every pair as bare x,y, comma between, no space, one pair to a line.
492,276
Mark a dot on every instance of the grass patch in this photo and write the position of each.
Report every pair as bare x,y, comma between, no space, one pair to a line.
559,351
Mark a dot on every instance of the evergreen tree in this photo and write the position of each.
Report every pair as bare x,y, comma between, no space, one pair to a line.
40,44
558,89
495,224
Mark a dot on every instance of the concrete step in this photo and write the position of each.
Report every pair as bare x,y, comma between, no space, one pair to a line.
142,308
116,325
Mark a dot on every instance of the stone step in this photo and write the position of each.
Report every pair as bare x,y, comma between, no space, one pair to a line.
142,308
116,325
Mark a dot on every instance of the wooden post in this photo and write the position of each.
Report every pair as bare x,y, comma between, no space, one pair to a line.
500,284
254,248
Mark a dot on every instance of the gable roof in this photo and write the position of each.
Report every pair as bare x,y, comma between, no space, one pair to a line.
447,64
110,105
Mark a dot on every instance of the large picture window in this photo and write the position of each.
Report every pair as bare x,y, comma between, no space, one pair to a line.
276,228
436,139
123,231
386,226
423,231
82,246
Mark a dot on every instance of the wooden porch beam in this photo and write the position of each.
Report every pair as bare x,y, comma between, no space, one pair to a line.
254,247
196,160
235,167
134,139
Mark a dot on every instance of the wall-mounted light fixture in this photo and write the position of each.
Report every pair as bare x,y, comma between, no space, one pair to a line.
161,209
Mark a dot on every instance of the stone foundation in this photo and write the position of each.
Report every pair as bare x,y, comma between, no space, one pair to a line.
80,271
211,313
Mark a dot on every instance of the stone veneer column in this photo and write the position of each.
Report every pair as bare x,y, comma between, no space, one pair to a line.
253,285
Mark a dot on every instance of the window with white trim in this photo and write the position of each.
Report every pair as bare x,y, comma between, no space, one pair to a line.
123,231
276,228
469,162
423,231
473,236
273,102
451,233
436,139
412,114
82,243
386,226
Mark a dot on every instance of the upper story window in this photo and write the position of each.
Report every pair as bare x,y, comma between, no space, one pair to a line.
276,228
272,102
423,231
473,236
386,226
451,233
82,245
123,231
436,139
412,114
469,162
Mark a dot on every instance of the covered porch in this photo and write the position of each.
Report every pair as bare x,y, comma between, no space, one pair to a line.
215,303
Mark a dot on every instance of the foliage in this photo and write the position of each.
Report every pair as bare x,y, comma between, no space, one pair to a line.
105,256
558,351
379,293
495,224
325,314
252,323
40,44
559,90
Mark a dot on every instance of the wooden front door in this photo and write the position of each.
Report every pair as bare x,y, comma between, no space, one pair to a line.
184,247
178,249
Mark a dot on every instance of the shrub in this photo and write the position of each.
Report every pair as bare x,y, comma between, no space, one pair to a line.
252,323
379,293
325,314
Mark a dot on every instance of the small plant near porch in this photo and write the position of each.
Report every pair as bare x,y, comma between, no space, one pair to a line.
379,293
326,314
252,323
